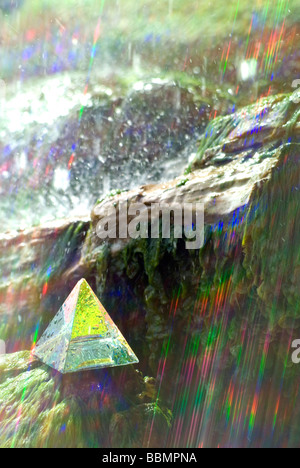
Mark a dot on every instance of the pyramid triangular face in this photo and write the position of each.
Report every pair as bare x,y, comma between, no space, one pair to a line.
83,336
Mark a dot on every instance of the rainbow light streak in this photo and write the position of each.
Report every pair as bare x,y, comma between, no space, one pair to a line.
93,53
162,362
25,385
228,50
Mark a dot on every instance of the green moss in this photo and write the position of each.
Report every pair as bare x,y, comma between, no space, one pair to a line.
113,193
31,408
218,130
42,409
182,182
272,241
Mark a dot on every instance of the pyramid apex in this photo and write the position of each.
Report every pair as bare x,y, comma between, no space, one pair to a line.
82,280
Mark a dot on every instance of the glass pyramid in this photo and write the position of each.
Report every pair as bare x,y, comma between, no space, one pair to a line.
83,336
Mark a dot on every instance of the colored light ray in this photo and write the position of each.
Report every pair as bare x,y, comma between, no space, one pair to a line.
229,46
19,415
269,49
93,54
187,370
270,57
162,363
203,410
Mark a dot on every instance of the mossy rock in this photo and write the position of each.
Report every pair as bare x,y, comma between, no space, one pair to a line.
40,408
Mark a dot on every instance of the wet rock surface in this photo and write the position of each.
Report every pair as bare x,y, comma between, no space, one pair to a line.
40,408
139,114
230,308
62,158
31,266
240,288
